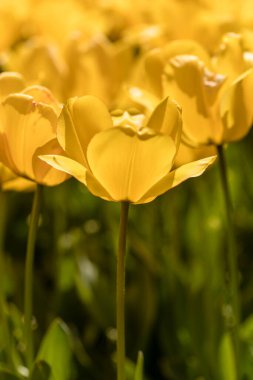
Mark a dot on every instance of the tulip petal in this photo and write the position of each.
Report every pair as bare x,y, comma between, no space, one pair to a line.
42,95
174,178
197,91
186,47
187,154
229,59
46,174
154,64
24,126
66,165
78,171
236,108
123,161
143,98
10,82
10,181
80,120
157,59
18,184
166,118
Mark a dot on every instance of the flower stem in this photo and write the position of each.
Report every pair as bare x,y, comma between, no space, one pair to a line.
3,316
233,297
121,292
33,226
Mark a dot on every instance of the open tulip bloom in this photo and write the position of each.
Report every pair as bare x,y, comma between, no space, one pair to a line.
27,129
215,93
120,157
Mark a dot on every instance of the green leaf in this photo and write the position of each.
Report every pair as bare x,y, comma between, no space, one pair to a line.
6,375
55,350
246,329
139,367
41,371
227,359
13,336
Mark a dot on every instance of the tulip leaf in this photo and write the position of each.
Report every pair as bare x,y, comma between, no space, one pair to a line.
227,359
6,375
10,343
246,329
55,350
139,367
41,371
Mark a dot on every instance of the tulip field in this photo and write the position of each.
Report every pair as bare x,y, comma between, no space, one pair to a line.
126,190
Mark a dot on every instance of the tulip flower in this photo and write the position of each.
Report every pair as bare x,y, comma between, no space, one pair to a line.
22,109
40,63
97,67
123,158
11,83
27,129
114,155
215,95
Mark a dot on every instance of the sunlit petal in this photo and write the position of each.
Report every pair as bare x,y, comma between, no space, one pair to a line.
236,108
44,173
25,126
174,178
143,98
123,161
166,118
154,67
79,121
229,59
43,95
157,59
67,165
18,184
10,82
197,91
9,181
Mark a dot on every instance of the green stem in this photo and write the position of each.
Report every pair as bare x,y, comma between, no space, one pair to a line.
5,326
233,297
28,301
121,292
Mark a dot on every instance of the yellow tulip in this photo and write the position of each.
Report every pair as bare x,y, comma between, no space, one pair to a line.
97,67
216,103
39,62
28,129
121,157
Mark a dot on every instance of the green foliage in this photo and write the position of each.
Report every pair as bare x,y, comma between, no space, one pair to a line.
55,350
41,371
227,359
6,375
139,367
